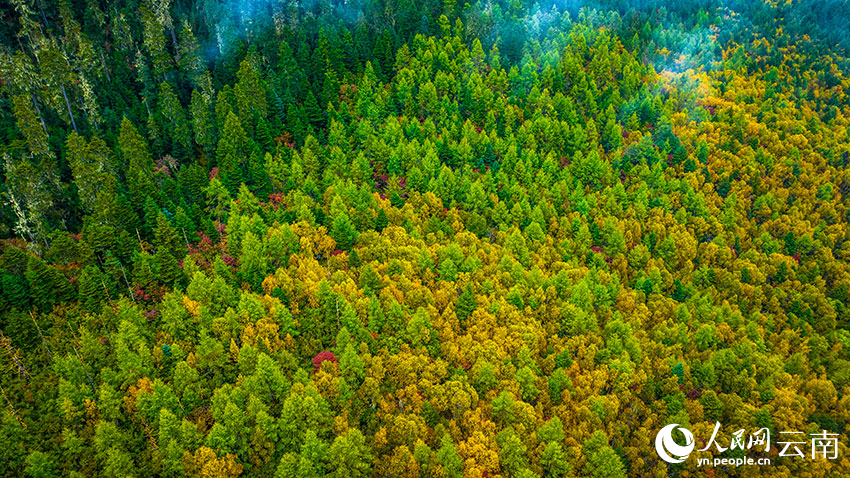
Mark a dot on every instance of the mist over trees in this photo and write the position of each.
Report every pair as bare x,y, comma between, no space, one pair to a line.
419,239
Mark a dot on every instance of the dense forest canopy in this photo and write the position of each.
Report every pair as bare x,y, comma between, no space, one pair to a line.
420,238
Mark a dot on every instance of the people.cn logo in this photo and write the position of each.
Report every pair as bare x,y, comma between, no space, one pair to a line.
668,449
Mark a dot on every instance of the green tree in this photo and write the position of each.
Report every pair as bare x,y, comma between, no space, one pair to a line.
137,157
601,460
93,169
511,451
517,246
203,123
40,465
344,232
554,460
253,264
612,132
466,304
190,62
250,94
232,153
351,457
29,193
176,125
169,271
47,285
91,290
31,125
154,41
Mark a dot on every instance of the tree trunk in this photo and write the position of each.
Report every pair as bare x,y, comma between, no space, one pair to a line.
68,104
176,48
105,68
38,110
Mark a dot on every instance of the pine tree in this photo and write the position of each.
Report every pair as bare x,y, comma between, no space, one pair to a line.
253,262
517,246
203,123
30,125
232,153
466,304
166,237
152,213
381,220
91,290
313,111
259,178
40,465
93,169
612,133
176,124
169,271
154,41
38,277
29,192
370,281
218,198
168,245
250,94
140,165
343,232
264,136
14,292
352,458
143,269
184,223
190,62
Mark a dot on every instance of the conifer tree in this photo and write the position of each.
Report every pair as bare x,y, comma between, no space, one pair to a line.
30,125
93,169
91,289
232,153
203,124
175,121
250,94
344,232
139,163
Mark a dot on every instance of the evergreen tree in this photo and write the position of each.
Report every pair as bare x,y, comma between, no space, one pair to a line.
15,292
190,62
466,304
351,457
47,286
252,262
91,289
344,232
30,125
203,123
176,125
313,112
93,170
168,270
166,237
232,153
250,94
137,157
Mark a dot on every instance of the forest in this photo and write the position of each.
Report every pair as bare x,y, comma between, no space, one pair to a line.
421,239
